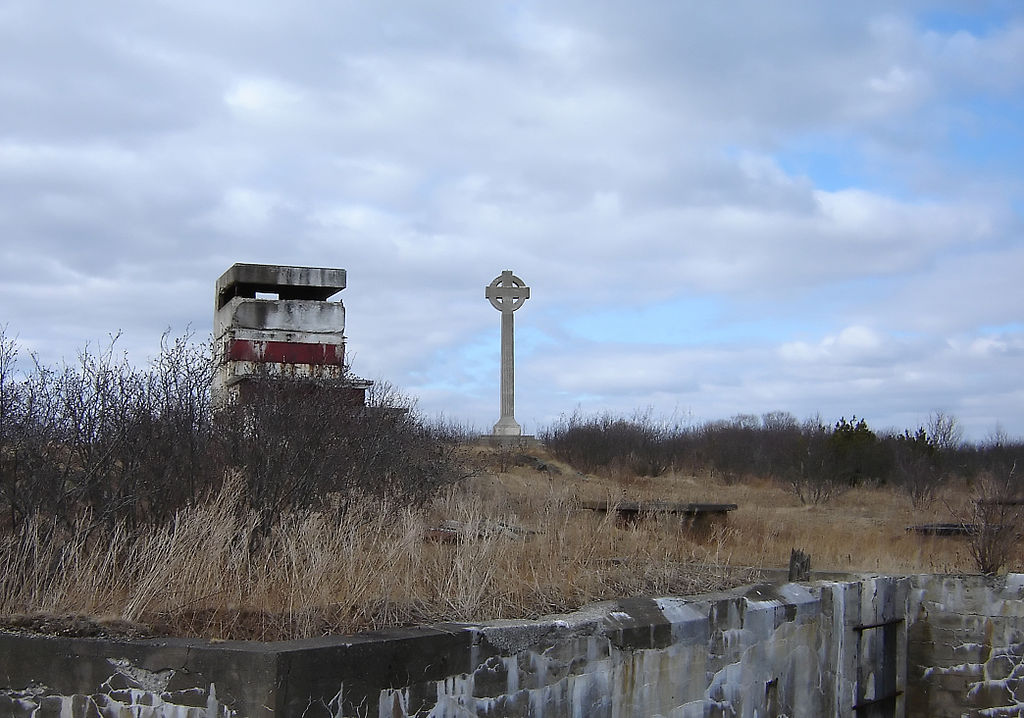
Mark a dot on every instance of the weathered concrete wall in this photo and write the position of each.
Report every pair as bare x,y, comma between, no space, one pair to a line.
58,677
282,320
930,646
966,646
761,652
824,649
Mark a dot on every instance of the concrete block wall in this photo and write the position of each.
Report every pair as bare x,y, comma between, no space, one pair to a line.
966,646
762,652
920,646
790,650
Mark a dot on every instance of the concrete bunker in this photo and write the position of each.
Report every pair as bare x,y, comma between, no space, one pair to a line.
278,321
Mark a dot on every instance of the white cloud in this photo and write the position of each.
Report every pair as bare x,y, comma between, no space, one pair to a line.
263,96
897,81
613,156
854,344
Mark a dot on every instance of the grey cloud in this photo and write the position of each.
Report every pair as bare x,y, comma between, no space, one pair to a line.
610,153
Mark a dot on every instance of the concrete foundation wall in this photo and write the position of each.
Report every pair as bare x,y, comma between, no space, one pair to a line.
828,648
966,646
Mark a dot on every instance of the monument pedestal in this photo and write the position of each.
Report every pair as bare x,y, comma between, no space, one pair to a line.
523,442
507,426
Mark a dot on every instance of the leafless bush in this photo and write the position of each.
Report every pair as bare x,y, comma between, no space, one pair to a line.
815,460
10,419
639,446
102,438
809,474
995,520
944,431
100,435
730,446
807,457
311,445
916,465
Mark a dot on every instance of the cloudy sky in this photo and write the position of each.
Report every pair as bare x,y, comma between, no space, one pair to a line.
720,208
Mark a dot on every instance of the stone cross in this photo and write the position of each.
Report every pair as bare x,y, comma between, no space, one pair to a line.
507,293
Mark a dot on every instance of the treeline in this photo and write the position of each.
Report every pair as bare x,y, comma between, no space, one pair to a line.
130,447
817,460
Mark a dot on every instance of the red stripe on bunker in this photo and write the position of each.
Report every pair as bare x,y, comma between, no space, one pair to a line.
286,352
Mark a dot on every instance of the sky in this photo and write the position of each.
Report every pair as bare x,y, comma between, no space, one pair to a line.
720,208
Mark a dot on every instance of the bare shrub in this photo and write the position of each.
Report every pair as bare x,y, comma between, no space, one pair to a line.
639,446
11,408
998,504
995,519
101,438
944,431
810,474
916,467
816,461
730,447
310,445
118,481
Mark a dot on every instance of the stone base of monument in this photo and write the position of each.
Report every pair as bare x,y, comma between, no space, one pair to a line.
504,441
507,426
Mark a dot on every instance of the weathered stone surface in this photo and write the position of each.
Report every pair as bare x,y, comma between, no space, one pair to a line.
915,646
105,677
966,646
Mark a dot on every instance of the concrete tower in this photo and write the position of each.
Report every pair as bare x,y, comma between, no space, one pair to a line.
276,321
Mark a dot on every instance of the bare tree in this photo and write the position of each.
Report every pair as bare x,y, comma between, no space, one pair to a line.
810,475
944,431
916,465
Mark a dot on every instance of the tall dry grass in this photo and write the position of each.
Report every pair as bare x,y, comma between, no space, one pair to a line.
520,546
863,529
199,575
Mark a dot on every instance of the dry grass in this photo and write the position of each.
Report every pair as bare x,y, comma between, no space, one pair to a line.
864,529
861,530
199,575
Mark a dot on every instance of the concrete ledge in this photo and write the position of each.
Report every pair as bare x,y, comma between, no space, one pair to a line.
315,283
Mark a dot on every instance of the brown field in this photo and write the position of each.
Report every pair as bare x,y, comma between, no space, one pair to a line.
518,544
860,530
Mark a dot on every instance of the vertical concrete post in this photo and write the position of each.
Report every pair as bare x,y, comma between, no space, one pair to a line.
507,293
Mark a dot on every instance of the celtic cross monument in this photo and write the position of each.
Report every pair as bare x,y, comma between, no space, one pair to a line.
507,293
